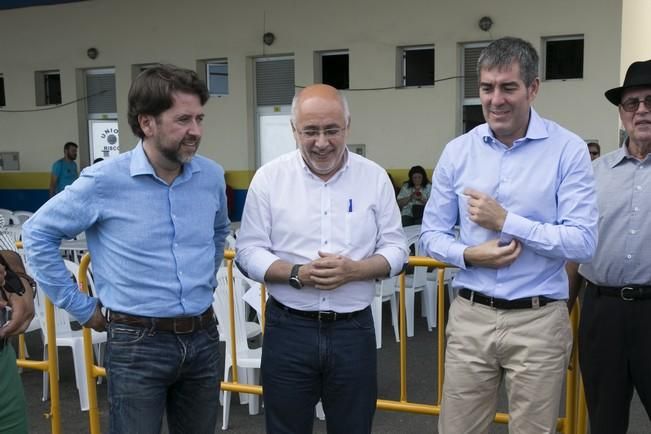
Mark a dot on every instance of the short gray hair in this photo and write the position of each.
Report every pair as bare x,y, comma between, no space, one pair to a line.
505,51
342,98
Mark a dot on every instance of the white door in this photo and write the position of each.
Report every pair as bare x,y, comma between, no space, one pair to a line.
274,90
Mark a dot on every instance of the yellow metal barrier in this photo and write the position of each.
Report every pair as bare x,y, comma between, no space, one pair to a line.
574,403
49,365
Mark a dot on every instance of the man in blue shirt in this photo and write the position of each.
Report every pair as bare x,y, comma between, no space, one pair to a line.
155,220
64,170
523,191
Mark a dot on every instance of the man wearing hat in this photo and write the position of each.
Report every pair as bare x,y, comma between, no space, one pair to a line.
614,333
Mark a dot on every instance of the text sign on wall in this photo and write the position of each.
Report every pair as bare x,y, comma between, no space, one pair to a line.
104,136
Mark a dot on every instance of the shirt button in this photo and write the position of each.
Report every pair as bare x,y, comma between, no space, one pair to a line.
180,273
325,212
629,256
638,188
633,231
325,242
637,208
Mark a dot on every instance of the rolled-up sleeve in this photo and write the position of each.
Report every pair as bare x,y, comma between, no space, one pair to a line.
253,244
391,242
62,217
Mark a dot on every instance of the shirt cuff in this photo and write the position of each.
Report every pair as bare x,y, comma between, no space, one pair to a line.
86,309
515,226
258,264
455,254
396,259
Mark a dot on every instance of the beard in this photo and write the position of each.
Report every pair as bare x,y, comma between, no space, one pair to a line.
177,153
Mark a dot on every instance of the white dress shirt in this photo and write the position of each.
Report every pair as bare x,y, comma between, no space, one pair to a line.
291,214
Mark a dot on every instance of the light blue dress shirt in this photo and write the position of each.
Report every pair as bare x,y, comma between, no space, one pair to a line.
154,247
546,185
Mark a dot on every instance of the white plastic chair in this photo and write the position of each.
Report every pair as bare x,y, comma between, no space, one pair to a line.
15,232
385,291
66,337
20,217
253,329
7,216
414,283
247,358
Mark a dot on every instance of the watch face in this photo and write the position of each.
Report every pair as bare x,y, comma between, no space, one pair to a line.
294,282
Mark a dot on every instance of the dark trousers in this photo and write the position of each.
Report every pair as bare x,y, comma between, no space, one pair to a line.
304,360
615,357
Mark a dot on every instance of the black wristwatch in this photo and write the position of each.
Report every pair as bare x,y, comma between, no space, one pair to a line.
294,281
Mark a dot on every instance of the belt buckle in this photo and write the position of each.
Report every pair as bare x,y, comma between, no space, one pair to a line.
180,330
624,296
327,316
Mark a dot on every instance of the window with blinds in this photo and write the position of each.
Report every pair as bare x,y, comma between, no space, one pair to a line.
274,81
100,91
470,78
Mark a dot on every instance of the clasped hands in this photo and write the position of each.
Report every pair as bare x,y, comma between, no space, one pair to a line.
487,213
329,271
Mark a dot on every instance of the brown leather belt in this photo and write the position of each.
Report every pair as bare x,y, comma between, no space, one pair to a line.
500,303
179,325
626,293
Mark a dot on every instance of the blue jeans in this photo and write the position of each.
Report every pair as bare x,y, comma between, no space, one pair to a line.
304,360
152,371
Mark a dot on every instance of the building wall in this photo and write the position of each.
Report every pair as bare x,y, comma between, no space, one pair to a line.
400,127
636,33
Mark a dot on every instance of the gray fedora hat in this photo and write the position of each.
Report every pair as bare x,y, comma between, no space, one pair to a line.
637,75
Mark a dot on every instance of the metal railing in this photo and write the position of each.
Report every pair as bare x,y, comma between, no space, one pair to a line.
49,365
573,422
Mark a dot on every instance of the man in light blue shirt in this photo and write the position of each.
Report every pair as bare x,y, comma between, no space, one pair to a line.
64,170
523,191
155,220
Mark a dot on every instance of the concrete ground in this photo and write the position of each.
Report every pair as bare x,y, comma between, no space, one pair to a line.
421,388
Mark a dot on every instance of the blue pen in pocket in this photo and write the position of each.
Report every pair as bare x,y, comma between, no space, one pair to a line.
350,205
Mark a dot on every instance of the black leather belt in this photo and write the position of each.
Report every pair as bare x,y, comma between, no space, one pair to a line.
321,315
626,293
179,325
500,303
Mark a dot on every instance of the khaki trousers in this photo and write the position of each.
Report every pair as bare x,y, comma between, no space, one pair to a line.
528,348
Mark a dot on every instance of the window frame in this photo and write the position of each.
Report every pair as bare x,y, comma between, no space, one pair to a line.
401,79
319,55
3,94
43,90
544,49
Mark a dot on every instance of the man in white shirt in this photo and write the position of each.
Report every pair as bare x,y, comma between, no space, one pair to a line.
319,225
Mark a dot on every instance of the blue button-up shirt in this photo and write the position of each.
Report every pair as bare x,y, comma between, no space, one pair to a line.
154,247
544,182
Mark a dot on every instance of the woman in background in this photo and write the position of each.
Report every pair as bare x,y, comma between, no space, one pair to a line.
413,196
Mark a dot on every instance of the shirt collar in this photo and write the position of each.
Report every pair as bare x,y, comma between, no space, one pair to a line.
617,157
309,172
535,131
140,165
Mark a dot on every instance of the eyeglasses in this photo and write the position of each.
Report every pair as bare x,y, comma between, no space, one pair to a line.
632,104
328,133
594,152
